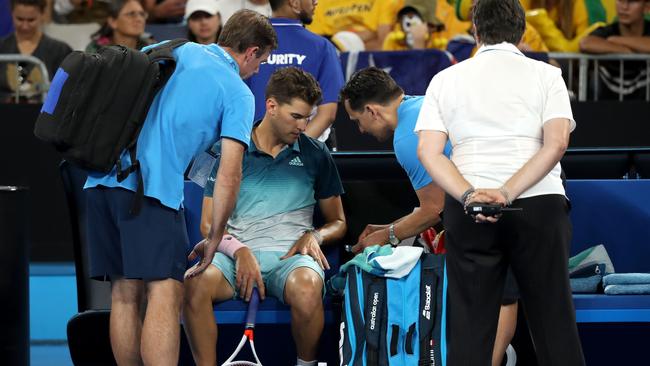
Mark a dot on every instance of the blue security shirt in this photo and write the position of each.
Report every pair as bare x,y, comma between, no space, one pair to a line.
204,100
405,142
277,195
301,48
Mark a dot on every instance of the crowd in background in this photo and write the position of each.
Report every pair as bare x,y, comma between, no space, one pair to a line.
31,27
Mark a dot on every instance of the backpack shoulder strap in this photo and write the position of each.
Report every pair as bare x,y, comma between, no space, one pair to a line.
164,58
163,52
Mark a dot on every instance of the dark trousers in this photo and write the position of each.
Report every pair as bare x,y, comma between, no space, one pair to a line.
535,243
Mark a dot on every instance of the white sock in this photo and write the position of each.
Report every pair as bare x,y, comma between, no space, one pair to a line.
300,362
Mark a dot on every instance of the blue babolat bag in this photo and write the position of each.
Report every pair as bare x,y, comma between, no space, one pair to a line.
393,321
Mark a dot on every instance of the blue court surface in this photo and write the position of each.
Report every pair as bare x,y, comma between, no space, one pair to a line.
49,355
53,300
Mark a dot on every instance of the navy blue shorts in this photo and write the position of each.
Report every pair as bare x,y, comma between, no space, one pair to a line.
150,246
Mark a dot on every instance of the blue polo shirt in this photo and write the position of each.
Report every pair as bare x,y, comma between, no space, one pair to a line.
204,100
277,195
301,48
405,142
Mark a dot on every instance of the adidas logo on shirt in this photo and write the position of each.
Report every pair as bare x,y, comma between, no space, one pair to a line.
296,161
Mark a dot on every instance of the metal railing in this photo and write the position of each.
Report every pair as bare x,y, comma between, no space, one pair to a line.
584,62
41,87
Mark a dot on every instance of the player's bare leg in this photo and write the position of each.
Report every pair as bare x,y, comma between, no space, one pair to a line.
303,292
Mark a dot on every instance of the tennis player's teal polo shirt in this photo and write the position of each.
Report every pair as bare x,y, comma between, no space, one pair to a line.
277,195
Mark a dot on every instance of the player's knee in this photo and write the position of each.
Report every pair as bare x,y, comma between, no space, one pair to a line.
304,290
197,291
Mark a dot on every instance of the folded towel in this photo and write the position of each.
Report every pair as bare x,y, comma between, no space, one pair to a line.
627,290
386,261
627,279
585,285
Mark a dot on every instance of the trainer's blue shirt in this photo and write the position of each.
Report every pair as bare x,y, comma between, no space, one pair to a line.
405,142
277,195
204,100
301,48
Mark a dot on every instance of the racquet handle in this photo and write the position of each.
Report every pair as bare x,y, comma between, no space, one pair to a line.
252,309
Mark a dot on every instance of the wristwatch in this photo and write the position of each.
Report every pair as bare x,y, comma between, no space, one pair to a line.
392,239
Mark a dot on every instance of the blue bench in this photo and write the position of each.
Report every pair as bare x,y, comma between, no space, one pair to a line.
615,213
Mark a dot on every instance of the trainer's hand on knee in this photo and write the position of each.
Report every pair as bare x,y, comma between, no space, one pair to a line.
308,245
205,250
248,274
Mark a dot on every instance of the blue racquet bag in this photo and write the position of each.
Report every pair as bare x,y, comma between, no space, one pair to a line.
394,321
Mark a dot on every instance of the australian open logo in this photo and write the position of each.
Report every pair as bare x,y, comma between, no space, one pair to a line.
427,302
373,311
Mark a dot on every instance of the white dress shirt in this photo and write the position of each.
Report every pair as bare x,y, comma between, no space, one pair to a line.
493,108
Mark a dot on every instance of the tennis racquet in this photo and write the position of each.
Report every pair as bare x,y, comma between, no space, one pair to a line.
248,334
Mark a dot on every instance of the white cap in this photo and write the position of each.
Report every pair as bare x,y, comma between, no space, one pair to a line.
209,6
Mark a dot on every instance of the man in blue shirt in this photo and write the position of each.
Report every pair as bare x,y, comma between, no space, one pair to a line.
378,105
145,255
285,174
301,48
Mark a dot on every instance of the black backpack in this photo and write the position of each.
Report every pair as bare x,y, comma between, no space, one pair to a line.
97,105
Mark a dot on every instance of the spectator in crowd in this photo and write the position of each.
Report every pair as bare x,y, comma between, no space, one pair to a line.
367,21
271,241
563,23
630,33
203,21
81,11
380,108
302,48
509,128
425,24
145,256
28,39
165,11
124,26
228,7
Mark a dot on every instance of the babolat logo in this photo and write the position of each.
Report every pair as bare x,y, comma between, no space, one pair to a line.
427,302
373,311
285,59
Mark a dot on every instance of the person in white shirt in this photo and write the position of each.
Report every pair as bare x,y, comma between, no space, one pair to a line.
508,119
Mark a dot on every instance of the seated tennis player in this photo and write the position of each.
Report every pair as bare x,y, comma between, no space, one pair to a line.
271,242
